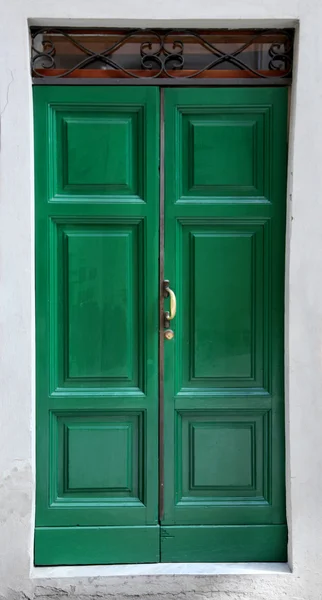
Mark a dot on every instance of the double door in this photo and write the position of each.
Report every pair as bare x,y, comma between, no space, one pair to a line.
159,440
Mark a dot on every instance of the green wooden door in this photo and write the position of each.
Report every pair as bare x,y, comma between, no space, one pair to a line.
97,211
97,286
225,176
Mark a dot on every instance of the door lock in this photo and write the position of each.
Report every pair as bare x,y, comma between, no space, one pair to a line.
169,334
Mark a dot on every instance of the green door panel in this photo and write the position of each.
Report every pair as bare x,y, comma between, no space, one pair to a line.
222,543
96,545
97,305
97,211
225,179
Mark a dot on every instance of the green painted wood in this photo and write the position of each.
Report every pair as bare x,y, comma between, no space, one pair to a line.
96,154
97,211
225,192
246,543
96,545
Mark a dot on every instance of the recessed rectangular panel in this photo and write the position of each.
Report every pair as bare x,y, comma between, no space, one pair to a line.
108,163
97,333
222,325
97,151
214,142
223,456
97,457
221,152
222,304
100,300
93,462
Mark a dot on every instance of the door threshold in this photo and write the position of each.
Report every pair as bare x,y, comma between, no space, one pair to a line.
161,569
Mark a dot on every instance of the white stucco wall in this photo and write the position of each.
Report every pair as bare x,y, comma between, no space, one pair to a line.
303,304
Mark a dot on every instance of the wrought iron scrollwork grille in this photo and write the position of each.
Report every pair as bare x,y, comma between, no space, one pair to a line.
156,53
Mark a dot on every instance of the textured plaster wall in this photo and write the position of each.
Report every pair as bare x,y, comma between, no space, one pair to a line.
303,303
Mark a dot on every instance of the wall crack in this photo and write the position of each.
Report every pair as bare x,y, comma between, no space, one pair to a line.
7,96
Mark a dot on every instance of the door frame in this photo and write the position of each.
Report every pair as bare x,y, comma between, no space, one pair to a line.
162,84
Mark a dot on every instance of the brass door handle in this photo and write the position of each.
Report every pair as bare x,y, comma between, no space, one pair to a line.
173,303
168,316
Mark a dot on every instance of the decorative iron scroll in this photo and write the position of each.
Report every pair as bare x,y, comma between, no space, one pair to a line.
154,53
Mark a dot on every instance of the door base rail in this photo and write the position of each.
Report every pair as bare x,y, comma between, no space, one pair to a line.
224,543
96,545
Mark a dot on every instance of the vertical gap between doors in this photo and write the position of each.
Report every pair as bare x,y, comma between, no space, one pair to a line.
161,314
